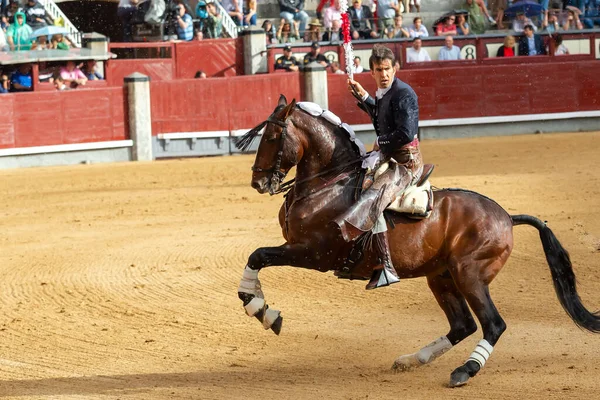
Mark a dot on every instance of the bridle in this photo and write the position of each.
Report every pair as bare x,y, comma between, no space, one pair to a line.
275,171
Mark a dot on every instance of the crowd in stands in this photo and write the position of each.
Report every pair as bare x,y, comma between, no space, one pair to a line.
24,27
474,18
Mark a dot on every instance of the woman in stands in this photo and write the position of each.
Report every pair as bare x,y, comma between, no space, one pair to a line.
285,34
270,31
508,49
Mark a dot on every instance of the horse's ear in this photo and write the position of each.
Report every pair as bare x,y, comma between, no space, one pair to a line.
282,100
285,113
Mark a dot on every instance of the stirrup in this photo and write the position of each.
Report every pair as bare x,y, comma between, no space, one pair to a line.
380,278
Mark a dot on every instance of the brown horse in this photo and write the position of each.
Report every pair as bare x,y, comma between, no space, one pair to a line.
460,248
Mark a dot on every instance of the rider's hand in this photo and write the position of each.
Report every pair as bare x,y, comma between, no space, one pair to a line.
359,89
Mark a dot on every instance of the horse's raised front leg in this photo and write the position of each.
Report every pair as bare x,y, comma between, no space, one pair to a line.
250,292
461,322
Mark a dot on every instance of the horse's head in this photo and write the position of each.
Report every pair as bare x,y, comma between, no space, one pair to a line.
279,149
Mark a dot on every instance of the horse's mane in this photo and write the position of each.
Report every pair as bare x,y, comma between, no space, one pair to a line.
245,141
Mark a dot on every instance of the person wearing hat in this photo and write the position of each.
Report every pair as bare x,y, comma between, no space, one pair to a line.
315,55
313,33
287,61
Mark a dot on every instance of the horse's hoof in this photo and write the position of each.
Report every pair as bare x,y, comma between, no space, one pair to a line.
276,327
458,378
405,363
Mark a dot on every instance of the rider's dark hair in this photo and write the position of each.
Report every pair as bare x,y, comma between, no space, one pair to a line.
380,53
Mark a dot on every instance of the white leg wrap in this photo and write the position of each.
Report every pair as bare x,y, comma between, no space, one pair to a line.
482,352
424,356
270,316
255,305
250,283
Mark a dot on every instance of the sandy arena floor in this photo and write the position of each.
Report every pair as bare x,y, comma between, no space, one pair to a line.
119,281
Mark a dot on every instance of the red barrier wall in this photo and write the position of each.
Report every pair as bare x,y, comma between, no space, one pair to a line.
216,57
239,102
485,91
49,118
158,69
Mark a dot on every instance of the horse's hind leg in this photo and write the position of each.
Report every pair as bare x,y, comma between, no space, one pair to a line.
461,322
478,296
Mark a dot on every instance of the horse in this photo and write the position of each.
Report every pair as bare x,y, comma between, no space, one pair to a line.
460,248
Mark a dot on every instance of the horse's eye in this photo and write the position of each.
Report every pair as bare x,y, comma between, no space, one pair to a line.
271,138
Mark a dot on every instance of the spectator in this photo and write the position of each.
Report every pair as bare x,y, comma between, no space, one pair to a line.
416,53
323,4
287,61
234,10
315,55
313,34
416,4
591,15
462,26
20,80
269,31
418,29
72,75
531,44
36,14
333,13
4,84
386,11
399,31
561,49
185,25
90,72
519,23
292,10
483,7
250,13
335,33
59,82
361,21
508,49
550,24
335,68
573,22
497,7
13,8
19,33
476,18
446,27
214,22
125,11
41,43
356,67
198,35
59,42
286,34
200,75
449,51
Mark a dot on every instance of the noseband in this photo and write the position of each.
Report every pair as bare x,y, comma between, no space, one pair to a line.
275,170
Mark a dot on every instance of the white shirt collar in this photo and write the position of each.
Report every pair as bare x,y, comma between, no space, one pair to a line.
381,92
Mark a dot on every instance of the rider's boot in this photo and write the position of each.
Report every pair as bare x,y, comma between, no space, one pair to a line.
384,274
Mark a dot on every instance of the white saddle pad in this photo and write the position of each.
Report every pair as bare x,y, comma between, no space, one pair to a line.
413,200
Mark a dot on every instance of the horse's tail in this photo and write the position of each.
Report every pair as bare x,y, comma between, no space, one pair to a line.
562,275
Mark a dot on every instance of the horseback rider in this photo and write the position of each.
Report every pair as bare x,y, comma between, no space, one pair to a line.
395,116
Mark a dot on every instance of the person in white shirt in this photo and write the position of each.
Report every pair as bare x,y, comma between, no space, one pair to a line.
519,23
357,67
416,53
418,29
449,51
